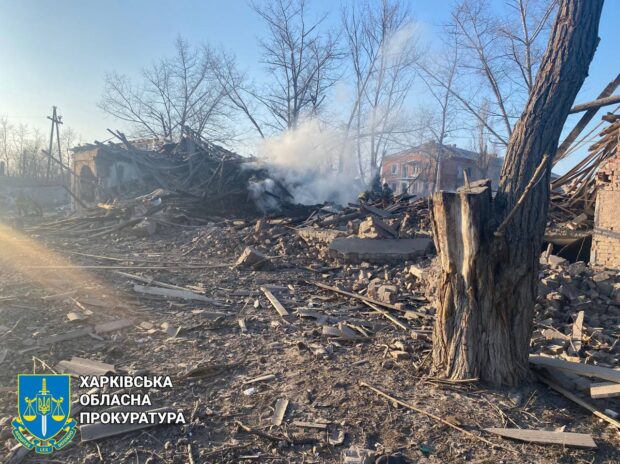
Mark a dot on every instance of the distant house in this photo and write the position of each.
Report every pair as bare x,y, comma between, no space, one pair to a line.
417,170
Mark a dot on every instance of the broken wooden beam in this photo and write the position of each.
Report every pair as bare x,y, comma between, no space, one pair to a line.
587,370
595,104
583,122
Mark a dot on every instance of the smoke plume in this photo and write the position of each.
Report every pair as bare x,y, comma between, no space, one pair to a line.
306,159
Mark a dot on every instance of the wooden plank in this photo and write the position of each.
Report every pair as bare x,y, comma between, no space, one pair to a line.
279,411
604,390
569,380
150,281
587,370
275,302
578,440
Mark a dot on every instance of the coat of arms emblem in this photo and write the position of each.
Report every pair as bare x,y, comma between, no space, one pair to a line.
44,407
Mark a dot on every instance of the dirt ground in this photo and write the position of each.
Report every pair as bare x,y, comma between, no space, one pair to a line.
320,376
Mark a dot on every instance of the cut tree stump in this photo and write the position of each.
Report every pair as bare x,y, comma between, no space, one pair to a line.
489,247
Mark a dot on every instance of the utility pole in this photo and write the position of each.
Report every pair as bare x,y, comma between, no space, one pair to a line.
56,121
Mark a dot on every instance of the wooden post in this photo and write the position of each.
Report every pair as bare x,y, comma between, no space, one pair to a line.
49,160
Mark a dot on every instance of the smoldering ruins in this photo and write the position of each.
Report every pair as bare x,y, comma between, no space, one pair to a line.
333,297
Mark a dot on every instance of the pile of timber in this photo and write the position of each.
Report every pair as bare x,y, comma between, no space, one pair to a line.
573,195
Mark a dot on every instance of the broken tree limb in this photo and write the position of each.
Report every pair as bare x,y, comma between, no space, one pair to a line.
432,416
584,404
273,438
533,181
595,104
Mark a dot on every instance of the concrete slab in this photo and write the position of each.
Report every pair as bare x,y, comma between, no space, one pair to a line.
355,250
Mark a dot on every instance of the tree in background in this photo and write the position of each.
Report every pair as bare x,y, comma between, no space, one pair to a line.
173,93
499,55
382,50
301,59
439,121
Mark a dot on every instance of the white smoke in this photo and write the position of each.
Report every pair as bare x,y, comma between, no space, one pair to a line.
306,159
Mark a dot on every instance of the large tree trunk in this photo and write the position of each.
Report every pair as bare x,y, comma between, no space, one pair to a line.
487,287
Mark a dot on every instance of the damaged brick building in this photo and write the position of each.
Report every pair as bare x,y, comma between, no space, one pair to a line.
606,235
431,166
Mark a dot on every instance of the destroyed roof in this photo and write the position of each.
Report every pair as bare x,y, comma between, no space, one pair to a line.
152,144
451,151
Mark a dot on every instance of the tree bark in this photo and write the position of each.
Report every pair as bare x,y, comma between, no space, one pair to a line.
488,281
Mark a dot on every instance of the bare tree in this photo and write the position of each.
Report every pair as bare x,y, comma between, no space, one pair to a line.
489,247
5,148
499,57
301,58
382,49
240,94
439,76
173,93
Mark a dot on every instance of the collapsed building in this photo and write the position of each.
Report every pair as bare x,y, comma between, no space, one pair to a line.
198,177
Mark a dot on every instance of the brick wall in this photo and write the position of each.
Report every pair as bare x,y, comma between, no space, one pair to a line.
606,235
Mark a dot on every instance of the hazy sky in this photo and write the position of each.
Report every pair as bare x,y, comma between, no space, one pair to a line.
56,52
